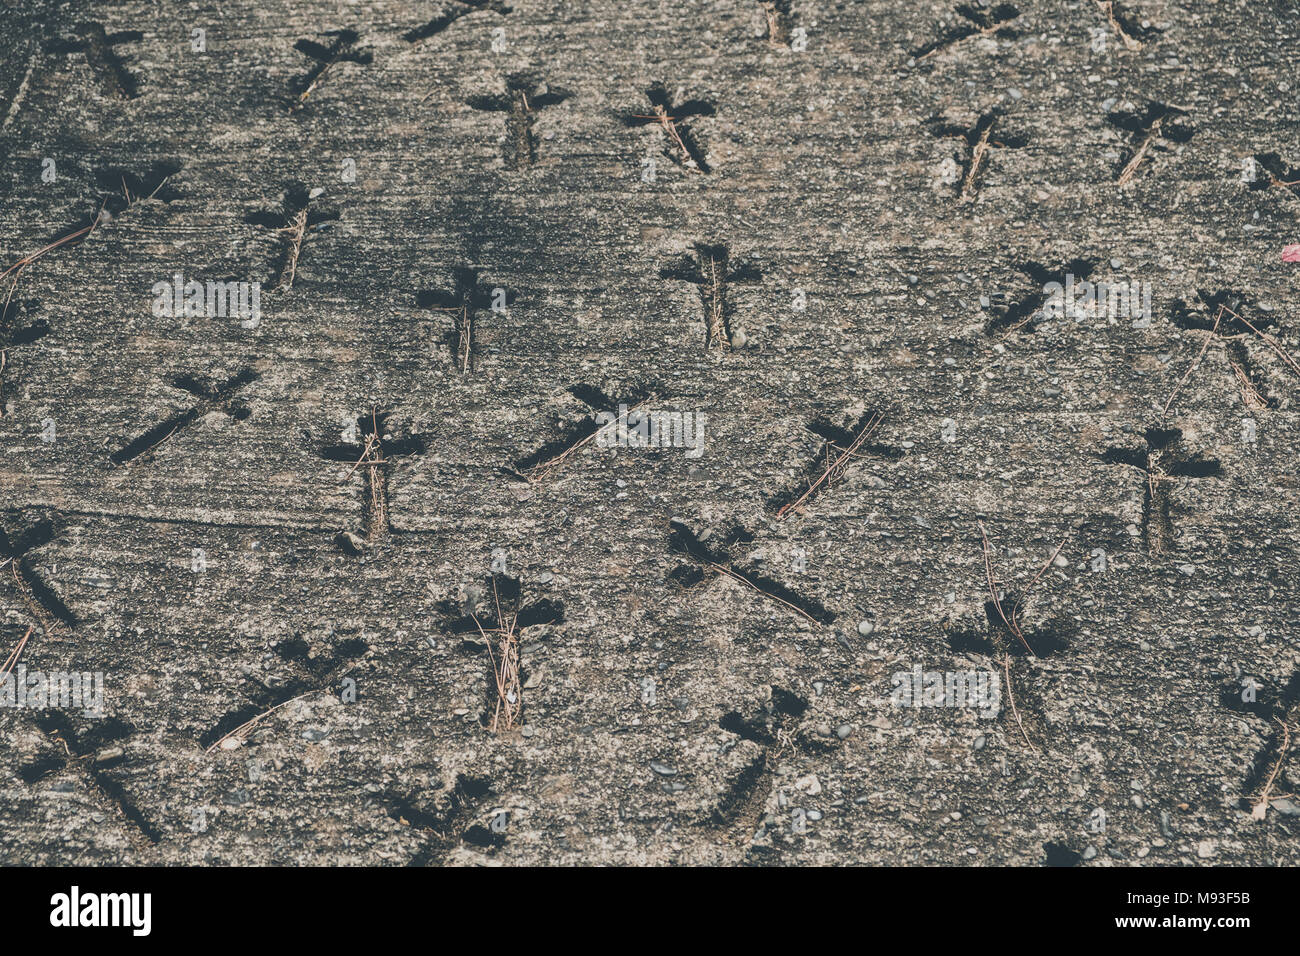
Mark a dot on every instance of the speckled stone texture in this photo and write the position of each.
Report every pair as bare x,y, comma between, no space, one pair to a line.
801,222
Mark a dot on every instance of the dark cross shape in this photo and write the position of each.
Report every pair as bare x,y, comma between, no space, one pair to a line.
372,455
339,51
133,188
1162,462
98,45
80,753
982,22
776,727
1127,26
1220,314
448,814
309,676
1280,174
680,142
525,94
980,141
1284,712
465,300
709,563
211,398
39,596
711,271
580,434
779,16
512,617
1027,310
841,447
1158,122
291,225
14,334
459,9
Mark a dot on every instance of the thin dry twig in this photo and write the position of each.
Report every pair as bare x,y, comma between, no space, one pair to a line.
18,267
1272,343
372,456
723,569
543,467
1260,809
242,731
834,469
1011,626
717,312
668,122
505,664
1107,7
1192,368
978,153
1250,396
1011,699
294,233
1131,167
12,659
1012,621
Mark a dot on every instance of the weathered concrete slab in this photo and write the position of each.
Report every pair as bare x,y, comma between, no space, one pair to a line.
178,492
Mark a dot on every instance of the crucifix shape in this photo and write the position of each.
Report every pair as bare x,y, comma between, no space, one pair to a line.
711,271
981,22
1284,714
980,141
465,300
708,563
1158,122
1280,175
512,618
81,753
777,726
341,50
309,675
525,94
1128,27
14,333
779,16
553,454
97,45
211,398
1163,462
841,447
458,9
291,225
1221,316
680,142
44,604
371,455
1027,310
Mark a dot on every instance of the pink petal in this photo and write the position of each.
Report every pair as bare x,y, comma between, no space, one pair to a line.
1291,254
